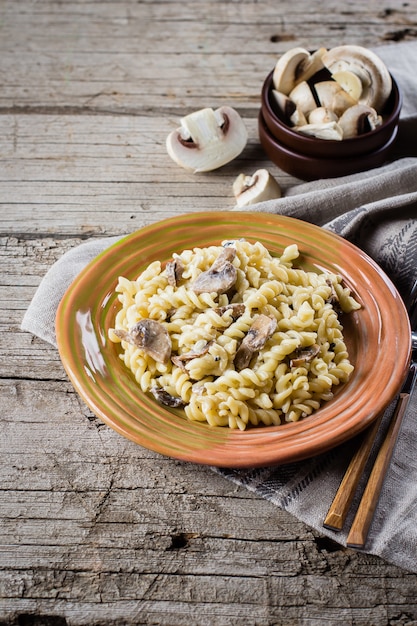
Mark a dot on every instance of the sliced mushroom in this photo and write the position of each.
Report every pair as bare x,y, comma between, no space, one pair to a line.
375,77
350,82
174,271
333,299
289,109
207,139
332,96
237,309
326,130
359,119
166,398
303,97
321,115
151,336
220,277
257,188
258,334
181,359
304,355
295,66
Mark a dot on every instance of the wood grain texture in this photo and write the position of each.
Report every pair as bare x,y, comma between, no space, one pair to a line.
93,529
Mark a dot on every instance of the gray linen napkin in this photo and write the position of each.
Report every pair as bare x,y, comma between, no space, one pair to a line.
377,211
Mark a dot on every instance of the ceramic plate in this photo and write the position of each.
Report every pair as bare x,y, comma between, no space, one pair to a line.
378,351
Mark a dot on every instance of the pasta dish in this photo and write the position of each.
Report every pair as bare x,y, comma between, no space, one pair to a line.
233,335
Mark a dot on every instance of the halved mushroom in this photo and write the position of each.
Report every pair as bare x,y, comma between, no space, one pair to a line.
321,115
301,356
207,139
303,97
251,189
258,334
151,336
289,109
325,130
174,270
359,119
332,96
295,66
372,71
220,277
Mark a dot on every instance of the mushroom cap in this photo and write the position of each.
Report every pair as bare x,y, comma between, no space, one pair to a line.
375,77
294,66
359,119
207,139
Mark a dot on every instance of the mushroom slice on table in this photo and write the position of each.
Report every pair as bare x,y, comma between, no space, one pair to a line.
359,119
258,334
151,336
372,71
220,277
294,66
207,139
256,188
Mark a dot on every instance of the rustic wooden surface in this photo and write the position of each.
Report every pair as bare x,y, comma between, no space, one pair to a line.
94,529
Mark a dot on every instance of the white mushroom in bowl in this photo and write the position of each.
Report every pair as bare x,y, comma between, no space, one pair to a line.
207,139
359,119
367,66
295,66
344,97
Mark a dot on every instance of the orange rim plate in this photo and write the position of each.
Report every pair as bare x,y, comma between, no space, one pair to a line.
379,352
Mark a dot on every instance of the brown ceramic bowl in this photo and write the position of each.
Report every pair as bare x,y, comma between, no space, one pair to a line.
309,167
324,148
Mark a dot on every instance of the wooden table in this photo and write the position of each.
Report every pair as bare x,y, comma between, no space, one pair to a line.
95,529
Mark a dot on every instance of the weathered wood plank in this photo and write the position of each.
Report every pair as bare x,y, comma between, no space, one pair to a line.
93,56
94,529
132,513
84,176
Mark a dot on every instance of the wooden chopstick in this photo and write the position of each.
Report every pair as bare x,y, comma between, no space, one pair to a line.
364,515
341,503
340,506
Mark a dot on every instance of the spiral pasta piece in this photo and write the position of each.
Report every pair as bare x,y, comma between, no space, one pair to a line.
291,368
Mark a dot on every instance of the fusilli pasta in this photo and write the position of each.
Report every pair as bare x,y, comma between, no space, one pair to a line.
248,339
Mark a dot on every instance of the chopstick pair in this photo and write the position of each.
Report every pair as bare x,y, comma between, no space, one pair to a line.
340,506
